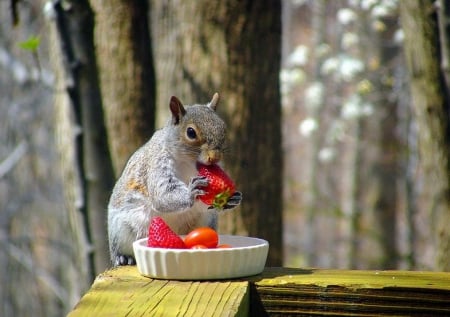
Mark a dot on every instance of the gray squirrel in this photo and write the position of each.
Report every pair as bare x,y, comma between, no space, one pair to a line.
160,179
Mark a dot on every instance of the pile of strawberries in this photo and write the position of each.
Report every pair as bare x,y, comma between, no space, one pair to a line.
160,235
220,188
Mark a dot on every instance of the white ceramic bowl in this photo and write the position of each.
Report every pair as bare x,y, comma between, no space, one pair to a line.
246,257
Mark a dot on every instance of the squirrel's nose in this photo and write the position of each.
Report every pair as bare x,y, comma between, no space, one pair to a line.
214,156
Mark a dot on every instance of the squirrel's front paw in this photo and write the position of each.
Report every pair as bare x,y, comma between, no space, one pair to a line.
196,184
124,260
233,201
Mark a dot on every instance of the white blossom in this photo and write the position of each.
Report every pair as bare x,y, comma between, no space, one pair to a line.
368,4
350,109
314,95
349,39
346,16
308,126
343,67
355,108
399,36
49,10
380,11
330,65
350,67
289,78
299,57
326,154
384,8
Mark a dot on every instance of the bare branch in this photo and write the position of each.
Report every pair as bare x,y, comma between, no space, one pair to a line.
8,163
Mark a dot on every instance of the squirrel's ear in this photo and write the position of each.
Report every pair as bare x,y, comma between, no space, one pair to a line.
177,109
214,101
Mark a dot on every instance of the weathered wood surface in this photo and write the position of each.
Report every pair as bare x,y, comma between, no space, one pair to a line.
276,292
282,291
124,292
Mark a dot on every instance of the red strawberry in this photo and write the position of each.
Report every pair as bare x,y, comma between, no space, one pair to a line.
220,186
161,236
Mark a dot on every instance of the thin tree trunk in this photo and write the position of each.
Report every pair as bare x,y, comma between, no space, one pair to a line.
411,194
314,141
351,207
431,107
444,38
387,165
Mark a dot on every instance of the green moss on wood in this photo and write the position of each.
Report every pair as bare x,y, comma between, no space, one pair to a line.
277,291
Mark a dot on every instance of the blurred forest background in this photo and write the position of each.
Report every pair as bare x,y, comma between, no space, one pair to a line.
338,114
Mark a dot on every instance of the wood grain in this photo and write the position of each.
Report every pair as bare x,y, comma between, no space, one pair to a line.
275,292
124,292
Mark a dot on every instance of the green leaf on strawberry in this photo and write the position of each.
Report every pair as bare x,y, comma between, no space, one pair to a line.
220,185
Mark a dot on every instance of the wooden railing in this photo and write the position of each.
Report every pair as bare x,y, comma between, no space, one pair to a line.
275,292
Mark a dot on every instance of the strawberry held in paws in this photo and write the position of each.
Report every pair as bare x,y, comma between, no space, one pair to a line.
161,236
220,187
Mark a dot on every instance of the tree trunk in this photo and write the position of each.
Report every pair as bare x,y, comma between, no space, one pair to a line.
314,142
124,52
191,53
431,107
233,47
253,35
92,159
386,167
352,209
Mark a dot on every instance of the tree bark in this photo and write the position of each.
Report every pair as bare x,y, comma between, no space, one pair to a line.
93,165
386,167
253,37
233,47
318,24
431,107
124,52
191,53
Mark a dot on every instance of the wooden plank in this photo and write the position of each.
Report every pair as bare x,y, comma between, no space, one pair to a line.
276,292
124,292
282,291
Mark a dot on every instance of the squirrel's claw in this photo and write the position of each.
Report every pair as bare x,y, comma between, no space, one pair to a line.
233,201
195,186
198,181
124,260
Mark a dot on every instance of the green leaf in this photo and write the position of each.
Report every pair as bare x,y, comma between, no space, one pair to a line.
31,44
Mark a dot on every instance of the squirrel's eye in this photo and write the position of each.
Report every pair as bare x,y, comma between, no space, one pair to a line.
191,134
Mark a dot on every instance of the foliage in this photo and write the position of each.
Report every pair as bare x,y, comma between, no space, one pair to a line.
31,44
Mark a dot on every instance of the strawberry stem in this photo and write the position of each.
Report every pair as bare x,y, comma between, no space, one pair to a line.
221,199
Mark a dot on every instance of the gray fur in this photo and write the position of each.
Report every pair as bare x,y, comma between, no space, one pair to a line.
160,179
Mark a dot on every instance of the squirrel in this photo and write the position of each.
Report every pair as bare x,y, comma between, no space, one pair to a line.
160,179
